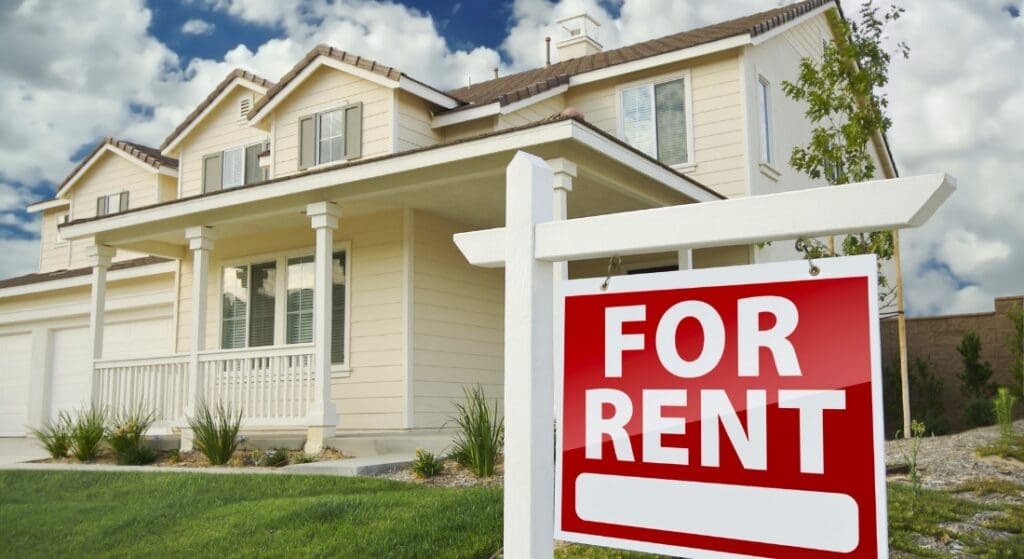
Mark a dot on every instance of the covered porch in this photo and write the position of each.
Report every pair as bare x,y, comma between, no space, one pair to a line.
336,300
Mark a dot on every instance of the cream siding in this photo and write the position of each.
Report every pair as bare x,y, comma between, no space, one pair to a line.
168,188
110,174
53,253
325,89
470,129
371,395
223,128
458,324
413,124
535,112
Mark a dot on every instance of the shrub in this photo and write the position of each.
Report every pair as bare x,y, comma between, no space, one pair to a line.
87,432
215,434
426,464
126,435
304,459
1016,341
1003,407
926,403
979,413
481,433
976,374
55,436
272,458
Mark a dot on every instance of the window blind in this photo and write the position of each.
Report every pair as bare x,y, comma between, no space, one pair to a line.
338,308
670,106
233,161
299,327
261,315
234,303
638,118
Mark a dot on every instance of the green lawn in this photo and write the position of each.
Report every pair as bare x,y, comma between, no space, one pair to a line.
79,514
91,514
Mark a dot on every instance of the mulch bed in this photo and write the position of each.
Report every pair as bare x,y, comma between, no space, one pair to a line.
171,459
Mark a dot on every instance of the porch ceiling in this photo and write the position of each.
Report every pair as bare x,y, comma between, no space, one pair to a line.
466,185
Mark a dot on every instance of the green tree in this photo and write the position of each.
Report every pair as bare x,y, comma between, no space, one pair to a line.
1016,316
843,93
977,374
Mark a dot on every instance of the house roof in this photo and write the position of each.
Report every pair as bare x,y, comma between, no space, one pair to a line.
237,73
515,87
341,56
145,154
29,279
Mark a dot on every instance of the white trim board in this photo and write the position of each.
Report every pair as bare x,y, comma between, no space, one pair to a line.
86,279
495,108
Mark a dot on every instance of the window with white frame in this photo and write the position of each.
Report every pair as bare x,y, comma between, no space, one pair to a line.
249,295
112,203
654,120
330,136
764,106
234,167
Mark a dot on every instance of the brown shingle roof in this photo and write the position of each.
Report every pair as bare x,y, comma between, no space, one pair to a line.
339,55
29,279
236,73
514,87
149,156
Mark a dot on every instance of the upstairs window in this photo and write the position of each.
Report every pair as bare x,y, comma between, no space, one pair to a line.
112,203
333,135
234,167
654,120
764,109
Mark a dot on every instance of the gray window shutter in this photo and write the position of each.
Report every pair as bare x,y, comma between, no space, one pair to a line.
211,173
252,164
99,206
353,131
307,142
123,202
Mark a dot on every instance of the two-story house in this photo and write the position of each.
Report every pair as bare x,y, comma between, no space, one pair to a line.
288,248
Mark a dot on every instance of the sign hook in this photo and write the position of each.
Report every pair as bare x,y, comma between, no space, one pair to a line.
802,245
613,264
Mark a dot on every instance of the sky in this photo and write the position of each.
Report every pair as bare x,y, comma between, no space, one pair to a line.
75,71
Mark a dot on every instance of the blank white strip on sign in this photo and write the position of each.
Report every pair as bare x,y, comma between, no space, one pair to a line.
808,519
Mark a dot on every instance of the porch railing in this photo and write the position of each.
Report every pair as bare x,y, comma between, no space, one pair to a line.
271,386
159,384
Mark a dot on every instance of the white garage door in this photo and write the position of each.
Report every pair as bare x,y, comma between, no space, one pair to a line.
15,350
71,373
138,338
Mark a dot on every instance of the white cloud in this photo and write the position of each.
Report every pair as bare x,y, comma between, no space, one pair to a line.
198,27
957,104
21,256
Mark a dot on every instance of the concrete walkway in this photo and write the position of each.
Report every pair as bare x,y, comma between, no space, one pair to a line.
19,449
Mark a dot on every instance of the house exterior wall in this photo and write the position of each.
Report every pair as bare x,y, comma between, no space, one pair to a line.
470,129
54,254
111,174
371,395
458,323
223,128
325,89
412,123
532,113
717,114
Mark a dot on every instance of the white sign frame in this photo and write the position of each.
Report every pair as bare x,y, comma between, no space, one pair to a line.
831,268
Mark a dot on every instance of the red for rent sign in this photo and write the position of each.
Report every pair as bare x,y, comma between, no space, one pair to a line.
731,412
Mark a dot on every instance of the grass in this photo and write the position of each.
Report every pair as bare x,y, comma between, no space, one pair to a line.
1012,447
176,514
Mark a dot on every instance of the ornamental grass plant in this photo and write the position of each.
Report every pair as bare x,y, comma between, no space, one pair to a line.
215,432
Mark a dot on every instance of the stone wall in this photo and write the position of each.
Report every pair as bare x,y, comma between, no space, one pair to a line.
937,337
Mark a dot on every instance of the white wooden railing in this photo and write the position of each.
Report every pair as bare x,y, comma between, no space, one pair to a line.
157,384
271,386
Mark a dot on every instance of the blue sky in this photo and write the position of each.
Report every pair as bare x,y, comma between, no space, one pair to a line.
78,70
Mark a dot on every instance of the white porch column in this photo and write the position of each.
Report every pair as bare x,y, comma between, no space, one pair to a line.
322,418
529,399
100,257
200,242
564,172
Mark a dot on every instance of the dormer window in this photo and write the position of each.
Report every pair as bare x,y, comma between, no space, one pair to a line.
234,167
329,136
112,203
654,118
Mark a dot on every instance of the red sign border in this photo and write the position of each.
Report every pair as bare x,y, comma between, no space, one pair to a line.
865,266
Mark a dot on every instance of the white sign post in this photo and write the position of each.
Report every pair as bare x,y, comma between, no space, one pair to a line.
531,242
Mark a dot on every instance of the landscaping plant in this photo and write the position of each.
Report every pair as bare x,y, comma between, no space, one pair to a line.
126,435
1016,341
426,464
215,433
917,431
975,382
1003,407
55,436
271,458
481,433
87,432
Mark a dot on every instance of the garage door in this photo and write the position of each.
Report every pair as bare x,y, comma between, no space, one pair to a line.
138,338
16,352
71,372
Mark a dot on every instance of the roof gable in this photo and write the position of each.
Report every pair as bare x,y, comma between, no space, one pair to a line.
144,156
236,78
326,55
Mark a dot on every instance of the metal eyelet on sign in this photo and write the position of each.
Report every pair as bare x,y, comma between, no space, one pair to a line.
613,265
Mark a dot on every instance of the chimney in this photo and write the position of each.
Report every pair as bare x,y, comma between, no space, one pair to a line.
579,37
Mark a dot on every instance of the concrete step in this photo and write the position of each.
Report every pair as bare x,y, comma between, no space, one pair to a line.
390,443
351,467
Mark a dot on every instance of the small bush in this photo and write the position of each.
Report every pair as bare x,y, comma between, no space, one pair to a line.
917,431
426,464
215,434
87,432
975,379
174,456
304,459
979,413
481,433
1003,407
56,436
272,458
127,436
